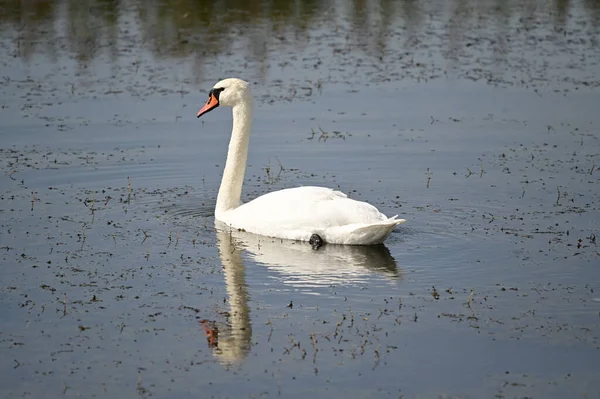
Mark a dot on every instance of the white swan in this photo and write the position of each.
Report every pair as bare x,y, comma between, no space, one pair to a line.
315,214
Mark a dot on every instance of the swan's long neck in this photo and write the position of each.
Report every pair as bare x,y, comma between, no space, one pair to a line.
230,191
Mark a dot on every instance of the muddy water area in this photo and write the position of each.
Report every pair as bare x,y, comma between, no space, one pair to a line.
477,121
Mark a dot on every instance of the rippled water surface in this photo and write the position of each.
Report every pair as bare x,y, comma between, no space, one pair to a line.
477,121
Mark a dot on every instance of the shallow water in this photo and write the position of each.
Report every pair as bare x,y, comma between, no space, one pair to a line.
477,122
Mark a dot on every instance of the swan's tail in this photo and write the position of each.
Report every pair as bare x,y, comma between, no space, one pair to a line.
370,234
394,220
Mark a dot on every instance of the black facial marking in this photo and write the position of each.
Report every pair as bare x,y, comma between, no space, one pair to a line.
216,92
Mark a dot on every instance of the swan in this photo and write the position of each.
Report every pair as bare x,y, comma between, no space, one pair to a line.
318,215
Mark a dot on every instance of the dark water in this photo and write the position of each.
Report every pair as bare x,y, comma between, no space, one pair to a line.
477,121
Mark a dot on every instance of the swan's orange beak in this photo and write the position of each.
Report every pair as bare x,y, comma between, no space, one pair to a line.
211,104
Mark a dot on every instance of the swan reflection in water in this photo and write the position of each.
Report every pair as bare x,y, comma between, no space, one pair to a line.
297,265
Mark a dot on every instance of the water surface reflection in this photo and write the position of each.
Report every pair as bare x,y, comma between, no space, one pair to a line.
299,266
274,40
231,342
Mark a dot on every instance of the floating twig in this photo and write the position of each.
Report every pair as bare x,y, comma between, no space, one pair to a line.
270,324
83,237
324,135
468,303
428,177
281,168
93,202
65,305
376,354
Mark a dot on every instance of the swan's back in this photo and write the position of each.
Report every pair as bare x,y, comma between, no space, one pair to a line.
297,213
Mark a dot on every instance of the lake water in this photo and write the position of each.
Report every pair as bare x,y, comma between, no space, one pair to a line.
477,121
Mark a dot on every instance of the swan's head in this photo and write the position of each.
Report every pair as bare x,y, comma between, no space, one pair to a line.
229,92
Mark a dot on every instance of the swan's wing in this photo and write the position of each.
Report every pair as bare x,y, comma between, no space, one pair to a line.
307,207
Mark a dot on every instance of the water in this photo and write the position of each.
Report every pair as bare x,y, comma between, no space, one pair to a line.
476,121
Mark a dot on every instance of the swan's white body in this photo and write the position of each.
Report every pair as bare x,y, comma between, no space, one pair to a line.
297,213
293,213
